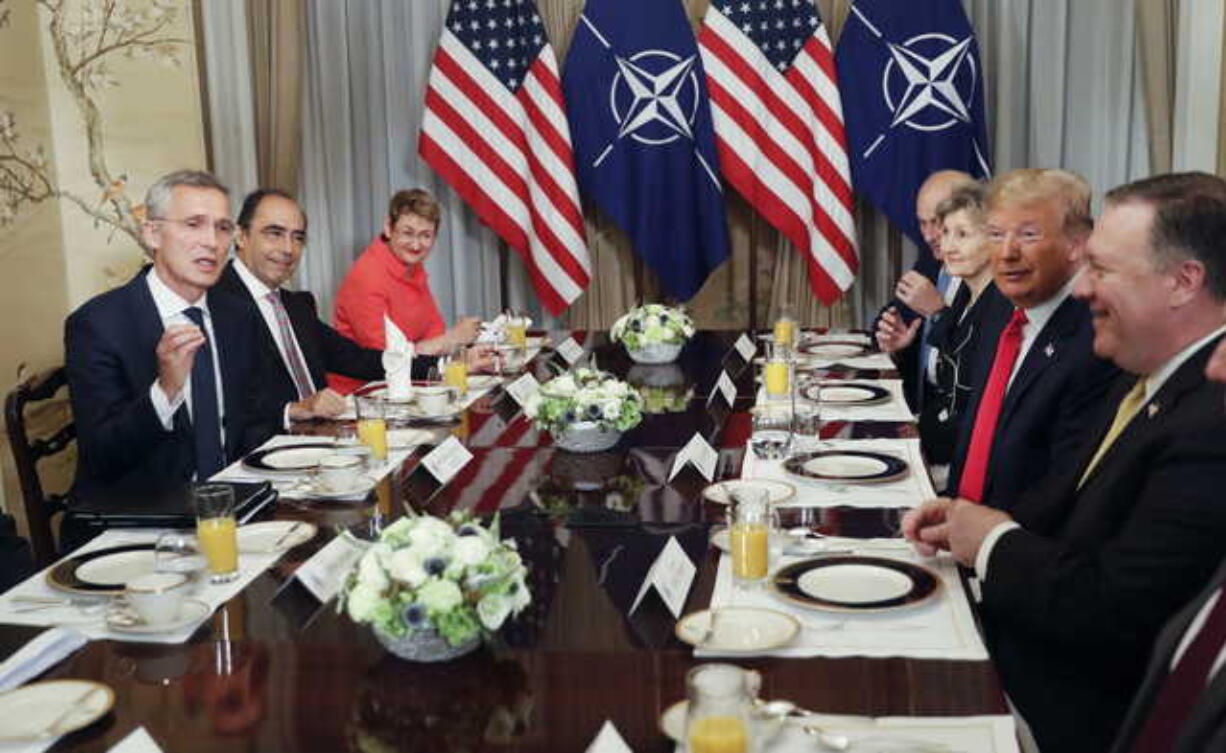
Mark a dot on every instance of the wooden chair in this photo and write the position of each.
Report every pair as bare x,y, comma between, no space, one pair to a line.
40,508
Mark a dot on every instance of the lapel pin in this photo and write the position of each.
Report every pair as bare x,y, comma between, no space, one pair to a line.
1152,409
1050,350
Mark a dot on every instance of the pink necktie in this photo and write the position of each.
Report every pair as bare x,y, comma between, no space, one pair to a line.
293,356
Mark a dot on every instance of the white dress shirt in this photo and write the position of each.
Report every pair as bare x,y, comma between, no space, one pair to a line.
260,292
1037,318
170,308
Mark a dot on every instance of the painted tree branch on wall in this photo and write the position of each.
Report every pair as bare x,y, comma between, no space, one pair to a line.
87,36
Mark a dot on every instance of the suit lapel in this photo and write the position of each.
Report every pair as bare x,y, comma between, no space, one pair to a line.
228,331
1047,349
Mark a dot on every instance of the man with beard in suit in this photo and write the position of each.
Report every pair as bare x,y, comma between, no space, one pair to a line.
1078,581
297,348
1036,378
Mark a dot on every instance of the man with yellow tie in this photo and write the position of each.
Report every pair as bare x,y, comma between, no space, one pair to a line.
1079,580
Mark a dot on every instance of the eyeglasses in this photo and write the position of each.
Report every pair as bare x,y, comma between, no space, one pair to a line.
197,225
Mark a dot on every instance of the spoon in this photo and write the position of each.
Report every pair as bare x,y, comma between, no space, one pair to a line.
782,709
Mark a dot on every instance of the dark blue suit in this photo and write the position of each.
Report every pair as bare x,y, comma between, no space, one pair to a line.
1046,409
110,348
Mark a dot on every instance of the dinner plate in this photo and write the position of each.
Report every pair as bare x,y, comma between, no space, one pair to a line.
847,466
738,629
846,393
777,491
834,349
191,611
272,536
290,458
51,708
854,583
102,571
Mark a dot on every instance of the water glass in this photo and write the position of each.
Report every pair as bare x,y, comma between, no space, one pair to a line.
771,438
806,425
719,718
177,552
217,530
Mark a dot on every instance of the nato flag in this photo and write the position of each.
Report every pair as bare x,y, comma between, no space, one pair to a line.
645,152
912,90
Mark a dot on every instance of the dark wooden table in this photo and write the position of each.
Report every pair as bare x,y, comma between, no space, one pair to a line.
273,670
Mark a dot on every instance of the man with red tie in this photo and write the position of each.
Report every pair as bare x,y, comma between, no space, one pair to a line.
1035,380
1078,581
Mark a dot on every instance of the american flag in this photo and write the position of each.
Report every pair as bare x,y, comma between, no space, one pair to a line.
495,128
779,124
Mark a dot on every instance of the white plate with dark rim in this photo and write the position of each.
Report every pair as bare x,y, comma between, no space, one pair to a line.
776,491
289,458
846,393
739,629
51,708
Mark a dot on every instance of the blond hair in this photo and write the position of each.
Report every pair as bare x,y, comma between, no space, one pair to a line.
1067,189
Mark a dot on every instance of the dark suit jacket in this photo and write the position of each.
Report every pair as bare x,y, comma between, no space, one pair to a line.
1074,599
907,359
1205,728
1044,416
110,345
323,348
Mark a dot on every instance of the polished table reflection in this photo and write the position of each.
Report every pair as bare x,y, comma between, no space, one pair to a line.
274,670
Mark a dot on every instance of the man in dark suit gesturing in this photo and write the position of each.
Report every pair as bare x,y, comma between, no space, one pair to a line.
295,347
1036,379
1077,583
161,372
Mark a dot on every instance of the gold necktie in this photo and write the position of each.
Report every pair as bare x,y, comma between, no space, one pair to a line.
1129,406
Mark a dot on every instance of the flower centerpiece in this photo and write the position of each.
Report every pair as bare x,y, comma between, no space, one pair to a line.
585,410
653,332
431,588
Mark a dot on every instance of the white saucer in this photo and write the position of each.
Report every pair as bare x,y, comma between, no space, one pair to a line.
744,629
190,612
483,381
361,487
776,491
52,708
262,538
719,539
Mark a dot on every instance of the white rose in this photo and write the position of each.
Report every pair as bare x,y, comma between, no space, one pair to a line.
431,537
612,409
521,598
370,572
362,601
405,566
563,386
493,610
440,595
471,550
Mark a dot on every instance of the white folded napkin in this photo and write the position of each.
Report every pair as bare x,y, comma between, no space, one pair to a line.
39,655
398,352
495,330
138,741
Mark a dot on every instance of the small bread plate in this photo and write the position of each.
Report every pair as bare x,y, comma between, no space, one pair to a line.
51,708
102,571
776,491
483,381
719,539
852,583
404,439
122,619
272,536
846,393
834,349
847,466
360,487
743,629
415,412
290,458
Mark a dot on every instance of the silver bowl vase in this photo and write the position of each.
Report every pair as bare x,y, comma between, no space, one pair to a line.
426,646
655,353
586,436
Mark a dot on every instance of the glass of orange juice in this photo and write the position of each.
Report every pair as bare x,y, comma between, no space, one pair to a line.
749,535
777,372
455,373
372,425
785,326
718,719
216,530
517,330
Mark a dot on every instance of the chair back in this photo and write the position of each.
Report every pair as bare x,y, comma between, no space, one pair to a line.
40,508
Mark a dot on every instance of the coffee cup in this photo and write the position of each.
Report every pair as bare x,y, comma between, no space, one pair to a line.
156,597
339,472
434,399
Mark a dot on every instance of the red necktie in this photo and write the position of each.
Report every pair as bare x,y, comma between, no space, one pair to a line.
1184,684
975,469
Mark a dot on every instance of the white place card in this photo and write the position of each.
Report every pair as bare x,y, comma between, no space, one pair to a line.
671,574
323,572
745,347
725,386
570,350
138,741
446,460
609,740
523,388
698,452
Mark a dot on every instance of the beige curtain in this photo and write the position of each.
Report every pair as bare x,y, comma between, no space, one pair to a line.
277,42
764,271
1157,32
